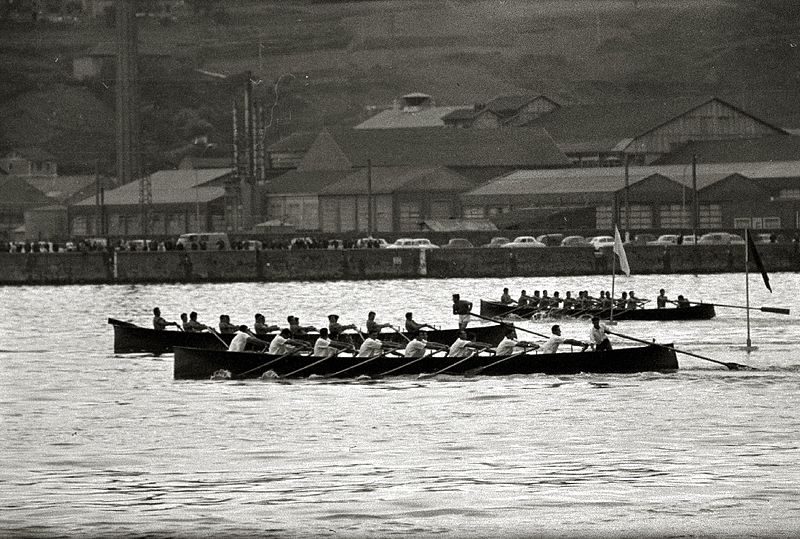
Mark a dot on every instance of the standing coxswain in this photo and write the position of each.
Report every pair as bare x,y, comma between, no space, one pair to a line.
462,308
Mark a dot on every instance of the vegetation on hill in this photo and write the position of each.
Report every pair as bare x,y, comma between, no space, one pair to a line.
323,62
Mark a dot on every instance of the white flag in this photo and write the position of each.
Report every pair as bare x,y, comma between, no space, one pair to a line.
619,250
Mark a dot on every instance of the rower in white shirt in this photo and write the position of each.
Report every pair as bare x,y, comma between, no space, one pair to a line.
551,346
462,346
509,343
416,347
371,346
283,344
241,338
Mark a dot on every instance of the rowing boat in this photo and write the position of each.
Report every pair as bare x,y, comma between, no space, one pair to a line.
699,311
196,363
131,338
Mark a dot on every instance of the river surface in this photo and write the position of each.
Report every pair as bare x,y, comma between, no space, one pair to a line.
95,444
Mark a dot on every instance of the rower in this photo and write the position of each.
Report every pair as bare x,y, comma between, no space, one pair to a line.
661,300
335,328
460,347
184,321
505,298
606,302
160,323
524,299
416,346
509,342
633,301
261,327
544,303
598,336
371,346
569,301
622,302
683,302
283,343
325,347
373,326
225,326
462,308
241,338
296,329
535,300
414,327
552,344
193,324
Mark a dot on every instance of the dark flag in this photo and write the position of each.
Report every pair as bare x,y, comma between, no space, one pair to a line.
752,254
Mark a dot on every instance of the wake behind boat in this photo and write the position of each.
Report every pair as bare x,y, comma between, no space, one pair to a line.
194,363
131,338
699,311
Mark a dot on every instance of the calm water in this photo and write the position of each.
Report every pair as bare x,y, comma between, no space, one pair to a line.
96,444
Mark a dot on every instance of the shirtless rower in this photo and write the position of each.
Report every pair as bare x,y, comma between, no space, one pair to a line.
193,324
661,300
505,298
225,326
373,326
414,327
159,322
335,329
261,327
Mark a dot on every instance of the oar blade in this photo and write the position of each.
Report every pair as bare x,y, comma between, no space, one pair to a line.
776,310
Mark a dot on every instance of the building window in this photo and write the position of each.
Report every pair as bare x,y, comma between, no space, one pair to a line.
604,217
473,212
789,193
409,215
674,216
710,216
79,226
757,223
641,217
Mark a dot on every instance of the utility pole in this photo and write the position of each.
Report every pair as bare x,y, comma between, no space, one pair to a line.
696,207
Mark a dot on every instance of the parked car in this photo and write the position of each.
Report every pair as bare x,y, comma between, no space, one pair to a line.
409,243
765,238
550,240
598,242
716,238
213,241
665,239
252,245
736,239
458,243
371,243
644,239
688,239
523,241
575,241
497,241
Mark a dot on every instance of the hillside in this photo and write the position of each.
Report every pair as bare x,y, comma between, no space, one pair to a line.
332,59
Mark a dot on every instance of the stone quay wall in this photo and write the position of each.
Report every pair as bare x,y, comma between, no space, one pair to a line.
354,264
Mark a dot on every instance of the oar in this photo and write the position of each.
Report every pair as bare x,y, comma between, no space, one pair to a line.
311,365
730,365
776,310
368,360
473,372
215,334
270,362
400,333
440,371
404,365
507,324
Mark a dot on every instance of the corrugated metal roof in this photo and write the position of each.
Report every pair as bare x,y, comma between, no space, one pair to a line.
17,193
611,123
518,147
169,187
771,148
400,179
296,142
610,179
399,118
506,105
304,181
62,187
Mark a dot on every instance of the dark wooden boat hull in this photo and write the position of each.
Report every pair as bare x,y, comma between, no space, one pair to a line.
130,338
700,311
195,363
